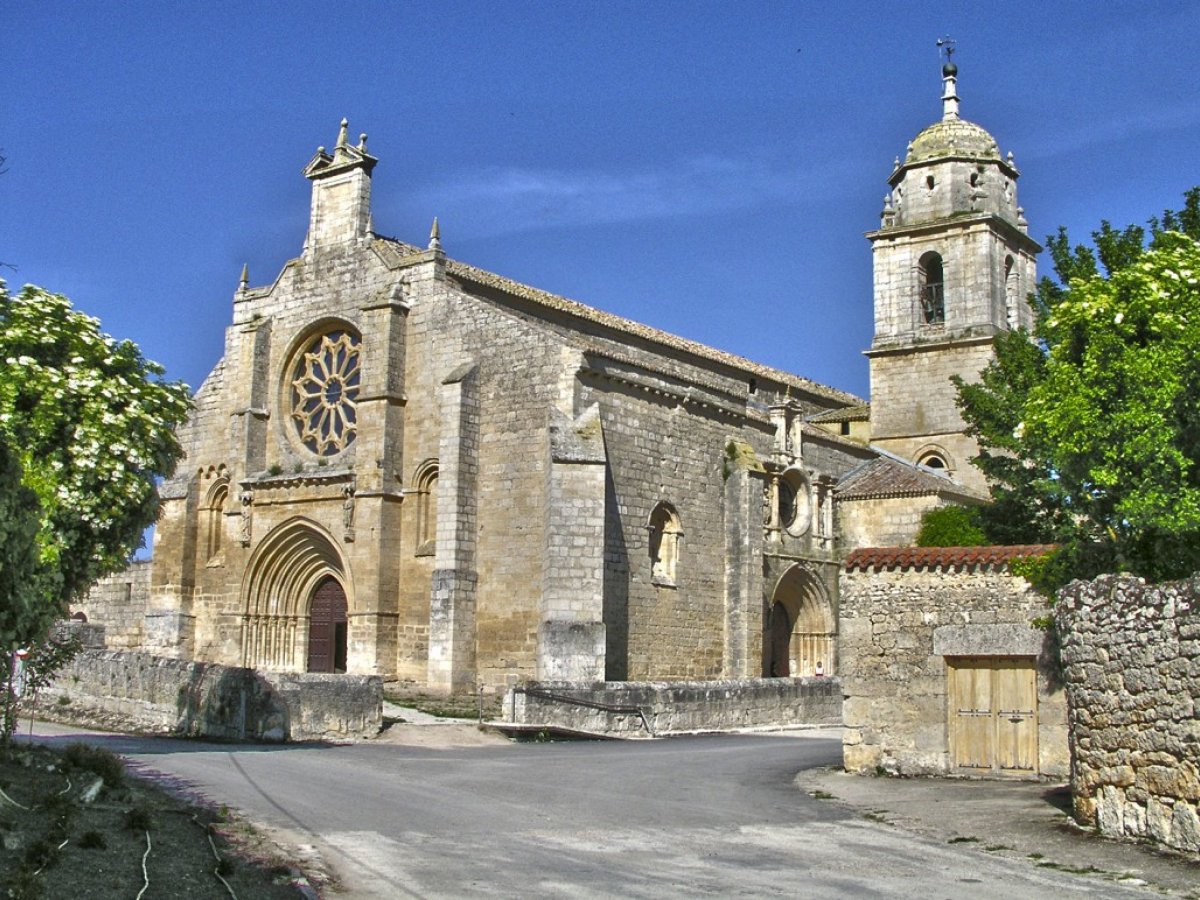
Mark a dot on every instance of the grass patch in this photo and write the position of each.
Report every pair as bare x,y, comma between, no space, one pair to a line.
963,840
995,848
99,762
821,795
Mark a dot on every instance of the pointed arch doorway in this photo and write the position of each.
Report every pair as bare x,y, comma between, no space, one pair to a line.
296,594
327,627
802,636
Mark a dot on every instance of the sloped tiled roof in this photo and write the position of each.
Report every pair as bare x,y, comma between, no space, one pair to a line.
889,476
941,557
628,327
858,413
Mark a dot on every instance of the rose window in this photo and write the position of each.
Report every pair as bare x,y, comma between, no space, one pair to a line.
324,390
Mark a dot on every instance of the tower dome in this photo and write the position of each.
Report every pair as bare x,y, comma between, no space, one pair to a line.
955,138
952,168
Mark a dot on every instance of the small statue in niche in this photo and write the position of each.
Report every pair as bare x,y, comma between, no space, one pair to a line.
247,499
348,513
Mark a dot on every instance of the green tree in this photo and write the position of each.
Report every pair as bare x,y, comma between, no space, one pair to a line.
952,526
23,578
1089,433
92,424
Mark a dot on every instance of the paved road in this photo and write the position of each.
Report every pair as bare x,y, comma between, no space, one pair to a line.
706,816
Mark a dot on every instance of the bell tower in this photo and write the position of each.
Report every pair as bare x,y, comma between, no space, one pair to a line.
954,265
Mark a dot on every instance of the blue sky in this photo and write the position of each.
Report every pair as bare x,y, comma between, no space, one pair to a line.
705,168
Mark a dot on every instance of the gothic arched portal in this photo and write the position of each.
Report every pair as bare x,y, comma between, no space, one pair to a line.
290,596
802,635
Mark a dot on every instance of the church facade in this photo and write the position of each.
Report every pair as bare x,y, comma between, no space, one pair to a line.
407,466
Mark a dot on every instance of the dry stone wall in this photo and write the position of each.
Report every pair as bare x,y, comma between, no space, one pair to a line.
1131,658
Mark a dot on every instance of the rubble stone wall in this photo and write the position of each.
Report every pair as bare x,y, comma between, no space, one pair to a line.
152,693
647,708
898,631
1131,659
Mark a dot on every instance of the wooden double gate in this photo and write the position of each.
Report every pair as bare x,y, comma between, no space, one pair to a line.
993,715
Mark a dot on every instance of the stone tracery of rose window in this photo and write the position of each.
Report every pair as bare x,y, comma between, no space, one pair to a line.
325,383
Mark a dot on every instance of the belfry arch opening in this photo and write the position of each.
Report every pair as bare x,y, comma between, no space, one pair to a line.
801,638
295,600
933,295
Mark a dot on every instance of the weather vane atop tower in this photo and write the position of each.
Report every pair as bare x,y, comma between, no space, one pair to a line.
946,49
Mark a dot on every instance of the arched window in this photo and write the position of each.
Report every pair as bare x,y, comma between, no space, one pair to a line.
934,457
215,515
1010,292
933,299
426,482
665,532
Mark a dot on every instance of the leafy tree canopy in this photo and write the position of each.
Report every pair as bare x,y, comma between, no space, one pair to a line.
1090,432
952,526
91,423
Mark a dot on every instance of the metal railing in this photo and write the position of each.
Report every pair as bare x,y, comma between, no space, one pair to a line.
541,694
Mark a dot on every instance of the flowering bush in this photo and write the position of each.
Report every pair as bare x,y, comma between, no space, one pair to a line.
92,424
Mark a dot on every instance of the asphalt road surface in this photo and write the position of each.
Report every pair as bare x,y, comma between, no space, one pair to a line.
705,816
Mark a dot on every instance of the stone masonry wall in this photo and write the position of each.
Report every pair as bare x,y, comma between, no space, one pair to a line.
897,627
1131,656
152,693
883,521
118,602
644,709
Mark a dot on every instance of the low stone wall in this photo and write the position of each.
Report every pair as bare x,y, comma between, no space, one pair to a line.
138,691
1131,658
650,708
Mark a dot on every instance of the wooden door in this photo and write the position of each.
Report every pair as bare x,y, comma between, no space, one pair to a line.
993,715
781,640
327,628
1014,695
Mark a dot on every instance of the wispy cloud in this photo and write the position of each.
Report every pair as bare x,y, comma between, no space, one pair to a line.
503,200
1047,144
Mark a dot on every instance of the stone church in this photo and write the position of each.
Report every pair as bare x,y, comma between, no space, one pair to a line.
407,466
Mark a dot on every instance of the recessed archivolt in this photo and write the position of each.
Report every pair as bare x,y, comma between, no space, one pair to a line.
286,567
813,630
277,591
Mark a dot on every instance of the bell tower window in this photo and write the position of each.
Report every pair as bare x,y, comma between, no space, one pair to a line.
933,298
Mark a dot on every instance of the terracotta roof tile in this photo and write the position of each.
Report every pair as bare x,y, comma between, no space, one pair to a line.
941,557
